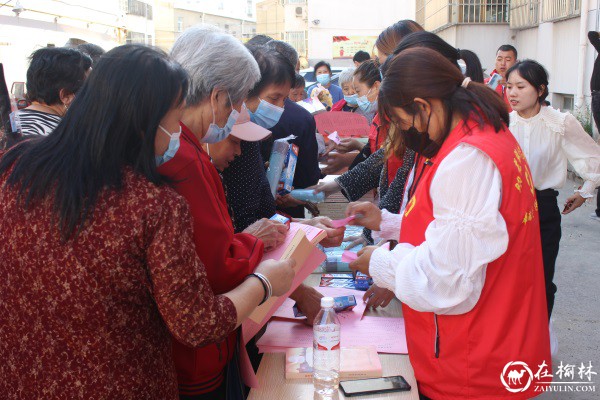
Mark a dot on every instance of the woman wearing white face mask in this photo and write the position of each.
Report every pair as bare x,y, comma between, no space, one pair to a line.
222,72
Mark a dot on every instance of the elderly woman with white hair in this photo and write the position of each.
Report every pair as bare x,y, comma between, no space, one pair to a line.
222,72
350,101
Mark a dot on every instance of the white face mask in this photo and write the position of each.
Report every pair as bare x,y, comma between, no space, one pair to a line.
173,146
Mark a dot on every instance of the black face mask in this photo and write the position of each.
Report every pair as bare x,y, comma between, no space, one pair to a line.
420,142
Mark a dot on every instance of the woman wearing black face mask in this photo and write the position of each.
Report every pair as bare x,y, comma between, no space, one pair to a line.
468,266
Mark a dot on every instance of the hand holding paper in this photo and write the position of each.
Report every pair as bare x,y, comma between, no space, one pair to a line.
361,264
366,214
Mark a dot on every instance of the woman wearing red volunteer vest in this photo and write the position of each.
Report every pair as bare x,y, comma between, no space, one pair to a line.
549,140
468,266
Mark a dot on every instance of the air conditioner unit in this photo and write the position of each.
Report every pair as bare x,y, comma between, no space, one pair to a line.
299,11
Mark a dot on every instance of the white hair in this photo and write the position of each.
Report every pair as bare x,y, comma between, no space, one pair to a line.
345,76
214,59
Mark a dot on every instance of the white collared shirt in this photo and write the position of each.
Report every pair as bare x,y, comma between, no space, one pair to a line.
446,273
549,140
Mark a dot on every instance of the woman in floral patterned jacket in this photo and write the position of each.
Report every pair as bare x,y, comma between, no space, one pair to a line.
97,264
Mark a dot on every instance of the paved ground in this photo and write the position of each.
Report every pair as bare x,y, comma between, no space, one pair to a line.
577,309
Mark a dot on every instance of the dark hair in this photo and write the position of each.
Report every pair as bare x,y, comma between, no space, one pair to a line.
474,69
275,68
322,64
286,49
299,82
259,40
111,126
534,73
424,73
431,41
508,47
392,35
52,69
368,72
361,56
92,50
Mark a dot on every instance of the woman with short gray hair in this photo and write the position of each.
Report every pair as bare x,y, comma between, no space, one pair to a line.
350,101
222,72
215,60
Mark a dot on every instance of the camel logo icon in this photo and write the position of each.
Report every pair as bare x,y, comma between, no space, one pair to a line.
516,376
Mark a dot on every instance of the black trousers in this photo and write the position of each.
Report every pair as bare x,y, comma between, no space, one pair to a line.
598,203
596,107
551,232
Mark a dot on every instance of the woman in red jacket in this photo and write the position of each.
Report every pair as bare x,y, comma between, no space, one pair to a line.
98,269
214,102
468,266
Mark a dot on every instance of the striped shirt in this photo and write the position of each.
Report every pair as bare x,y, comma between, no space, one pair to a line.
35,122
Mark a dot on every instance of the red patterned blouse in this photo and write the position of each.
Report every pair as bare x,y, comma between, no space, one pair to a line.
93,317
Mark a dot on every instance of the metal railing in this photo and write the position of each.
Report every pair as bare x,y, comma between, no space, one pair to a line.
560,9
440,13
524,13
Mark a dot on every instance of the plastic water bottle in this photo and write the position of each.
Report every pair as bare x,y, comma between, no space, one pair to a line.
326,352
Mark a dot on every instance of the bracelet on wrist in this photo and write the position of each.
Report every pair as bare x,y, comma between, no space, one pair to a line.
265,284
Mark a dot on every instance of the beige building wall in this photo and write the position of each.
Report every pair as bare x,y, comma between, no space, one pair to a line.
175,20
165,24
270,19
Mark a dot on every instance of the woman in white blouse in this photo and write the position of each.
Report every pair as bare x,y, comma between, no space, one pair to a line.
468,266
549,139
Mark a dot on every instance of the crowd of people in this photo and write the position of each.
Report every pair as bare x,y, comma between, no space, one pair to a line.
135,209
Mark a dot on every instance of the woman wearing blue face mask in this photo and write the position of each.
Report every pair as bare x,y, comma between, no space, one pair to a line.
222,72
350,101
323,75
248,192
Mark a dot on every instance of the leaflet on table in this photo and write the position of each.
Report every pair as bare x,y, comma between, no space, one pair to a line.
388,335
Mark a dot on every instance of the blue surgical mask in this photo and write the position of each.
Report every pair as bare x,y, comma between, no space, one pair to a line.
215,133
266,115
173,146
351,100
364,103
324,79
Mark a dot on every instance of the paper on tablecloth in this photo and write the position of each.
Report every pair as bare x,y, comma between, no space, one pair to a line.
386,334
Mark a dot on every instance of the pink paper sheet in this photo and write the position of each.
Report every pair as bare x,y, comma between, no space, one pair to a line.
250,328
349,256
388,335
345,123
334,137
338,223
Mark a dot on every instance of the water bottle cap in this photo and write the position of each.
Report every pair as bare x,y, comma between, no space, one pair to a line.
327,302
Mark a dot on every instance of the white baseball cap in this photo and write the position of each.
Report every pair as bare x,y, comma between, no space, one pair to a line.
247,130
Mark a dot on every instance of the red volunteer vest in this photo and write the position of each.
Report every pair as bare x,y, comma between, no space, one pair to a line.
467,357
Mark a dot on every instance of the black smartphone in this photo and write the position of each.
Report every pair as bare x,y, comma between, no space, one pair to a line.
375,385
